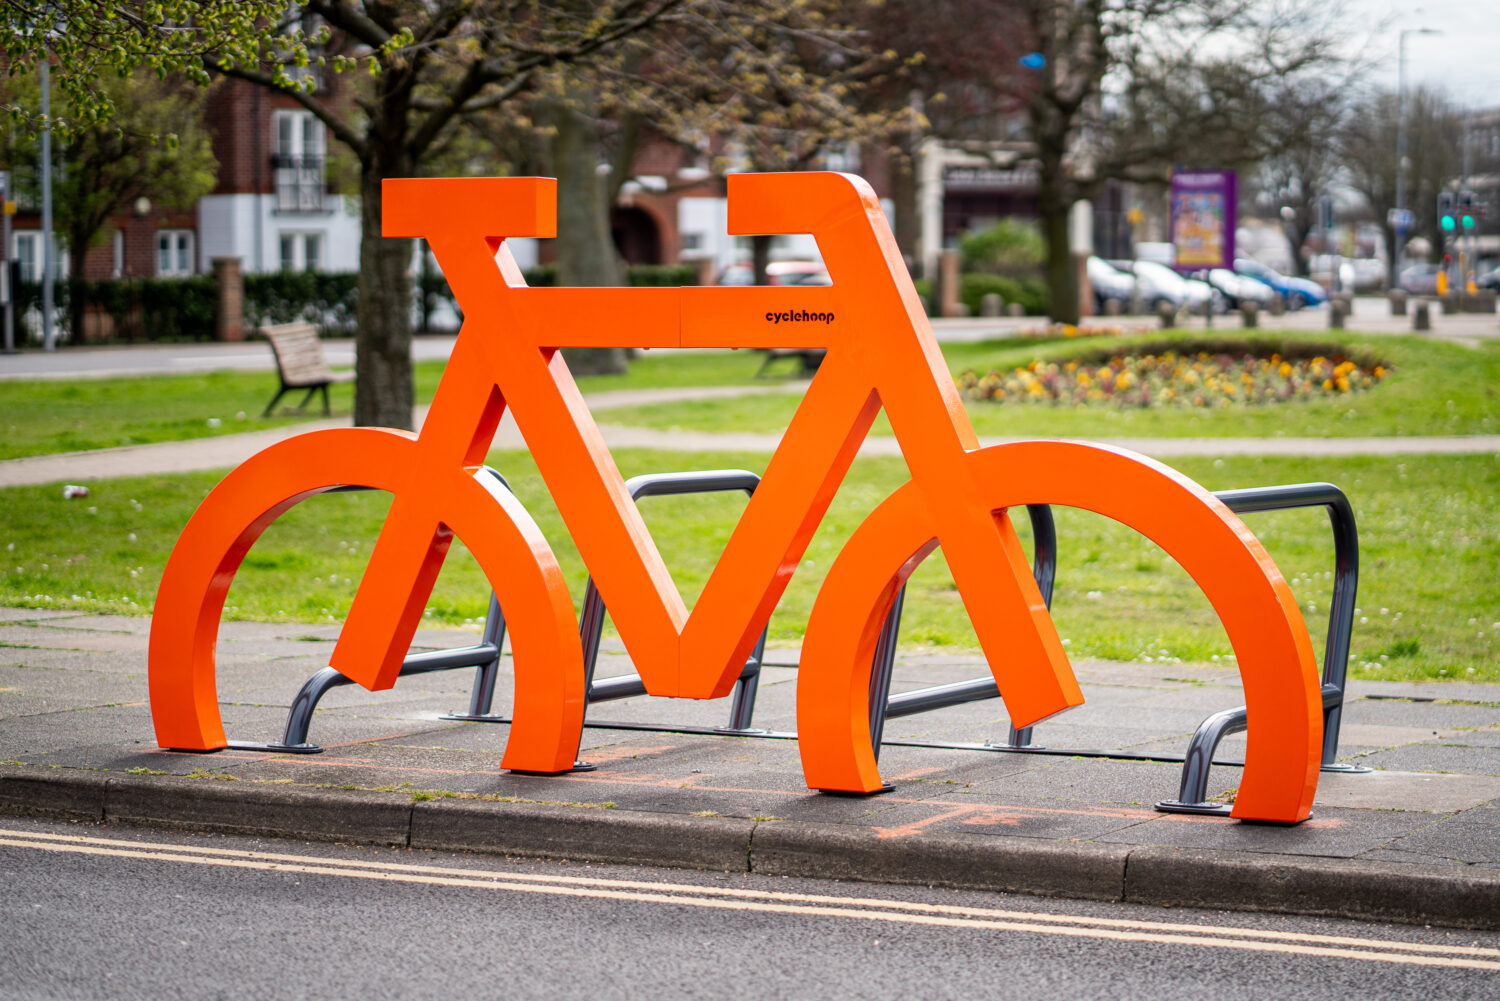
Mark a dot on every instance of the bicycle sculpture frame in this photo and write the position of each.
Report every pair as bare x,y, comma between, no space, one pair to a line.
881,352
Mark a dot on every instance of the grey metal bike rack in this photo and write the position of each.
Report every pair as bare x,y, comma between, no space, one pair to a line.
485,655
1196,762
1192,796
1199,757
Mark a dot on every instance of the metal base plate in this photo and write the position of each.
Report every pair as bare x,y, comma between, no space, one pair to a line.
1347,769
1202,809
886,787
274,748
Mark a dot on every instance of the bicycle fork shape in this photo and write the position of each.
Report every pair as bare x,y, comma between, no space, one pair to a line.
881,352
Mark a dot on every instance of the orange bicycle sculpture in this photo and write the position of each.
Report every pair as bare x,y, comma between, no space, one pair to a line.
881,352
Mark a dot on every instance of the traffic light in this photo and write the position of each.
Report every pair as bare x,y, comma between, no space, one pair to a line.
1446,212
1466,202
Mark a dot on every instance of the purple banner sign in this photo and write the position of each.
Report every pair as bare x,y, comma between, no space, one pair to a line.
1203,219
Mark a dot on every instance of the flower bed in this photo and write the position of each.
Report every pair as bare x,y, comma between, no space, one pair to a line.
1177,378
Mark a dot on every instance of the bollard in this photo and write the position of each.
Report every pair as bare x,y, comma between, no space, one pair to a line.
1015,309
1111,307
1207,309
1249,314
1278,306
1421,317
1398,301
1336,314
990,304
1167,313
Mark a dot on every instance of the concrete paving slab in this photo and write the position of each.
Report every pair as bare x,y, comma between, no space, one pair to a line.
1472,843
1432,715
1437,758
1486,737
1332,832
35,614
1383,735
1394,790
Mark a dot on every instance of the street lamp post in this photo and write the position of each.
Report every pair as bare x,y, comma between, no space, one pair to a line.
49,248
1401,226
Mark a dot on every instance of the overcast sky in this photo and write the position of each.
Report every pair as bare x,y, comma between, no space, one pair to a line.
1464,60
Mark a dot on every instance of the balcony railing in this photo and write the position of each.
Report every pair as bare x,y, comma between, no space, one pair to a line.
300,182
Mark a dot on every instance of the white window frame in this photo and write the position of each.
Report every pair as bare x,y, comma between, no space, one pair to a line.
300,175
179,254
30,271
297,241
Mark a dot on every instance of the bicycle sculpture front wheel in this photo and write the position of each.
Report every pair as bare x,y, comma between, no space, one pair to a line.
549,699
1247,591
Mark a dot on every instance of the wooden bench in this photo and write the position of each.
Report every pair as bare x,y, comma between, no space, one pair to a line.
808,359
300,363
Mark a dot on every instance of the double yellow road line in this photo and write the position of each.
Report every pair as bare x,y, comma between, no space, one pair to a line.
898,912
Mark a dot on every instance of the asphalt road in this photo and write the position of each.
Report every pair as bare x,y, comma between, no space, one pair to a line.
96,912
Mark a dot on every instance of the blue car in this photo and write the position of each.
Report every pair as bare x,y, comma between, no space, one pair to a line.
1297,292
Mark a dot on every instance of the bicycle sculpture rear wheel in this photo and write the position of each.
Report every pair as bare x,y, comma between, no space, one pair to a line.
1276,660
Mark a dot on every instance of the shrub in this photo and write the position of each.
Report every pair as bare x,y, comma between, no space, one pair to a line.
1031,293
1011,247
327,300
138,309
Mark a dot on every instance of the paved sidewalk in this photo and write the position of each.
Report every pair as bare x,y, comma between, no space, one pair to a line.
1370,316
1417,840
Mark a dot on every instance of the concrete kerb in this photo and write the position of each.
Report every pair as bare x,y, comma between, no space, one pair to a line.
1467,897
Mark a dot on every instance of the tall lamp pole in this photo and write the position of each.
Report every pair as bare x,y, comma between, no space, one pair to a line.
49,247
1401,225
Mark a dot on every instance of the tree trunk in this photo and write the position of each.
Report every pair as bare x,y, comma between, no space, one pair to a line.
1053,205
585,250
760,258
77,253
908,221
383,393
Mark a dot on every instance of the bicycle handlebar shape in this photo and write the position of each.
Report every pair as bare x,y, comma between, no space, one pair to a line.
881,353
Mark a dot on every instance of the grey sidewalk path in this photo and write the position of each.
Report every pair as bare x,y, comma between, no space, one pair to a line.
1416,840
1370,316
223,451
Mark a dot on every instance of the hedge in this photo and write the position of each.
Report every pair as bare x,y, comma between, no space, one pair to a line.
183,309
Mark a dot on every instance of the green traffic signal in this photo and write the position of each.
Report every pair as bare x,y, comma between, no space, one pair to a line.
1468,222
1447,223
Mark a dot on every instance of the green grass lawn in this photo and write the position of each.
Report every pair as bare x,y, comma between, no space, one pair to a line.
1428,604
55,415
1435,388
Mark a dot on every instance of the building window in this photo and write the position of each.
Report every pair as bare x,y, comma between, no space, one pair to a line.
301,251
297,161
174,252
28,250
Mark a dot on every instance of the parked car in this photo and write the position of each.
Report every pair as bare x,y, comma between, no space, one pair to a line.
1238,289
1490,279
1296,292
1320,268
777,273
1110,283
1160,283
1369,274
1420,279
